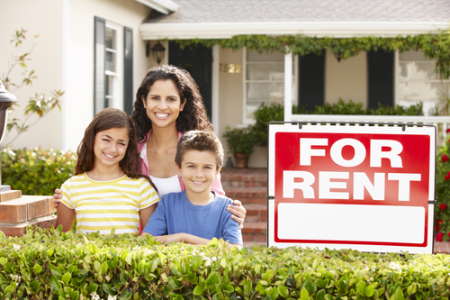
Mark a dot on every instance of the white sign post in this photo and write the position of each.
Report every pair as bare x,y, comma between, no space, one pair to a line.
369,188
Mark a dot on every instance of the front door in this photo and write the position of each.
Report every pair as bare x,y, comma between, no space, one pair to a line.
197,60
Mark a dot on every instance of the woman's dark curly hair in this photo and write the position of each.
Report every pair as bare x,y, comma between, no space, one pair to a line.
104,120
192,117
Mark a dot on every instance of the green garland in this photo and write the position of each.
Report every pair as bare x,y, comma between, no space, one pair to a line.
434,46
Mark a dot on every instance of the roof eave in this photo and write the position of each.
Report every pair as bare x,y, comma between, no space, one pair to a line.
173,31
162,6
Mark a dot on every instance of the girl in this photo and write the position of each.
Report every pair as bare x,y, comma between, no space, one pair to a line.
107,194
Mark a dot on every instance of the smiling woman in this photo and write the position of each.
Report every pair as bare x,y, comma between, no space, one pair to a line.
168,104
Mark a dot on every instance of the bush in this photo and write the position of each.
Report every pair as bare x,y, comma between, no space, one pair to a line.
36,171
240,140
55,265
275,112
442,208
263,116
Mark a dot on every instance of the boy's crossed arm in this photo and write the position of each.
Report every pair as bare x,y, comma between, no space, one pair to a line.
182,238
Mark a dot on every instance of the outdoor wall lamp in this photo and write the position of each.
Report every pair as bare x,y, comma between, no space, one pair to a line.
158,50
6,100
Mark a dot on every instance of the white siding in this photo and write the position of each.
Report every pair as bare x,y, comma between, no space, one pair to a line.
43,18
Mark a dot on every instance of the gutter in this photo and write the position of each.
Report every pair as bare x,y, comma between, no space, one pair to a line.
158,31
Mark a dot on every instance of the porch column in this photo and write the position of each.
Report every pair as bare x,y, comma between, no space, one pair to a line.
288,79
215,88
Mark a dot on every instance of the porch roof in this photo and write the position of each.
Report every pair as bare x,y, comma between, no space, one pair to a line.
226,18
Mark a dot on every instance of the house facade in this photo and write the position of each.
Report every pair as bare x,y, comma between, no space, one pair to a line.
234,82
90,49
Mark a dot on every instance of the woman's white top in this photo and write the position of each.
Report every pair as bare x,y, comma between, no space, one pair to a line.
167,185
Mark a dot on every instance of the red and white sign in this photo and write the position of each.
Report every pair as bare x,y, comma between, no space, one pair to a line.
349,186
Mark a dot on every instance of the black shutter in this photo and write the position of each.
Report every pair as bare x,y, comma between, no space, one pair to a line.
311,80
380,66
99,64
128,69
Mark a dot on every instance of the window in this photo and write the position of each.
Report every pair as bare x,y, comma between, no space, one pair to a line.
113,74
418,81
113,66
263,81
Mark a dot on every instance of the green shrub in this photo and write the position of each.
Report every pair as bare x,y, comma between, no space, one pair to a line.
240,140
398,110
57,265
263,116
442,208
342,107
36,171
275,112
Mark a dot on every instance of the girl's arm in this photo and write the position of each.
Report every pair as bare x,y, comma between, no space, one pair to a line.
66,216
145,214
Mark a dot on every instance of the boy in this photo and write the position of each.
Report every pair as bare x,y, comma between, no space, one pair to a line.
195,215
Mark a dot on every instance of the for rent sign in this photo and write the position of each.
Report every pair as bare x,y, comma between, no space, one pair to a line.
352,186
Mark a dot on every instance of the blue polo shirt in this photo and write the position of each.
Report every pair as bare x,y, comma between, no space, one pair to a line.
176,214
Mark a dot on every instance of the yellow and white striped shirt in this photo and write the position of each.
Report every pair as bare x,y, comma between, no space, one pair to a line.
110,205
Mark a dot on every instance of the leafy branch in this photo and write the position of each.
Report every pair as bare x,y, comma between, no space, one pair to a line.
18,75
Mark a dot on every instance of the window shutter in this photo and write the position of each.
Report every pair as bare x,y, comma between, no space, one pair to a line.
311,80
128,69
380,66
99,64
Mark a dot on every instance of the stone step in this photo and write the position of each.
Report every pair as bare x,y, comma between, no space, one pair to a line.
244,178
256,212
254,232
248,194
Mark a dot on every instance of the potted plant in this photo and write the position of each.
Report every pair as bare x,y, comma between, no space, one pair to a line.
240,141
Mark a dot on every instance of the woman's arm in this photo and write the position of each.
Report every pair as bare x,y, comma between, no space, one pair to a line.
66,216
238,212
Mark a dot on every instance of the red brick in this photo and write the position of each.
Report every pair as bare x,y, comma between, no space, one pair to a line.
10,195
13,213
25,208
441,247
39,206
21,228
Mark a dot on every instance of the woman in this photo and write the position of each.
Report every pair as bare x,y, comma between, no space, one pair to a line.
168,103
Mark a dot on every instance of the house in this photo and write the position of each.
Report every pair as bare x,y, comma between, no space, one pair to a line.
233,79
90,49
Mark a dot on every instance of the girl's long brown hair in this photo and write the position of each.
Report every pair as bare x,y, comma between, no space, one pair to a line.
104,120
192,117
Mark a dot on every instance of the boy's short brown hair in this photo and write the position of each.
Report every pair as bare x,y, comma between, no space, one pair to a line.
200,140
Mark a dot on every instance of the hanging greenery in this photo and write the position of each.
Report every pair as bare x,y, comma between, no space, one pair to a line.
434,46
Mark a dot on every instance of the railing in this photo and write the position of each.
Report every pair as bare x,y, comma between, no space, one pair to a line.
442,123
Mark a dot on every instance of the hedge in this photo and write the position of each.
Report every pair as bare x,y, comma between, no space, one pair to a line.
36,171
56,265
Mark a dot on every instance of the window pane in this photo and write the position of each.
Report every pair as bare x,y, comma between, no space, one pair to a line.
109,90
110,61
264,80
417,70
110,38
265,71
265,56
